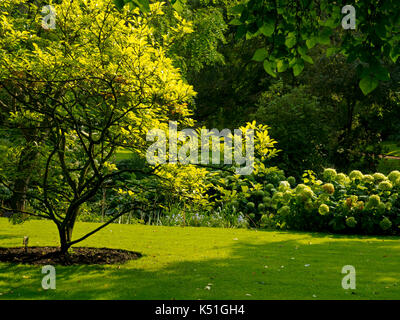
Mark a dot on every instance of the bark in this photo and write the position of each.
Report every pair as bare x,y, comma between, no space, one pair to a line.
66,230
65,239
25,168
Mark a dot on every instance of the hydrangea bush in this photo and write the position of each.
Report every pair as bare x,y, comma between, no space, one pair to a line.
340,203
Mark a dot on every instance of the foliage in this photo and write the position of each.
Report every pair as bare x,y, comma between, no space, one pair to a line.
143,5
291,28
72,97
186,194
357,124
300,124
96,83
321,118
224,217
358,203
191,51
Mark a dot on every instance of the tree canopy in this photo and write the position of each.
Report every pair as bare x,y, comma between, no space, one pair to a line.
291,28
75,95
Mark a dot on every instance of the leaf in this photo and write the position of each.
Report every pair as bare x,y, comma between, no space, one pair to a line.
304,56
143,5
368,84
380,72
298,67
260,55
178,6
302,50
395,53
270,68
282,66
307,59
268,28
324,36
331,51
291,40
311,42
236,9
241,31
235,22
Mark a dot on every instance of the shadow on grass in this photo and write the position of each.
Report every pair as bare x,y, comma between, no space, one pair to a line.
9,236
292,269
336,235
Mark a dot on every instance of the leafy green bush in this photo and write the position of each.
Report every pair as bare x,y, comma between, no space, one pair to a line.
298,121
357,203
340,203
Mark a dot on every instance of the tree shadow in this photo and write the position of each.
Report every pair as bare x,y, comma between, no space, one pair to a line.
335,235
291,269
9,236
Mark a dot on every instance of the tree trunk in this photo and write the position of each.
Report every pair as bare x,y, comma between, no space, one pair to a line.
65,239
26,166
66,230
17,201
103,205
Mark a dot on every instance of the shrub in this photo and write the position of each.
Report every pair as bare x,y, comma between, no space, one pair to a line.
299,125
354,204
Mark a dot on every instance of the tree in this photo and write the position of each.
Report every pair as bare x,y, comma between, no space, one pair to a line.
96,83
292,27
301,126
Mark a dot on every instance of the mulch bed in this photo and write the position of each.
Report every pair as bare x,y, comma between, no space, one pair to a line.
78,256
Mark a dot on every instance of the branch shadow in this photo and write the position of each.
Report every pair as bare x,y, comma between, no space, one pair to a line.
291,269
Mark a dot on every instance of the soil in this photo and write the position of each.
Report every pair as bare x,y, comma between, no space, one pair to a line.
76,256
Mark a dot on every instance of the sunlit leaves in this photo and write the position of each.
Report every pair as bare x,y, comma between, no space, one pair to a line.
291,28
99,84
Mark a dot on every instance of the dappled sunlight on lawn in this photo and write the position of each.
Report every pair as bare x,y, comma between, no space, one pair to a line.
201,263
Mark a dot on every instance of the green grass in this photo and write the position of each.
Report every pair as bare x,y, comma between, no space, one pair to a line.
123,154
178,263
392,147
388,165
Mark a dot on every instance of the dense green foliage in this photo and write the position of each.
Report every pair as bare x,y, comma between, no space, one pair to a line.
301,125
74,98
292,28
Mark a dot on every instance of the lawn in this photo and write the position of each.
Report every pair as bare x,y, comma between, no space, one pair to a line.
123,154
388,165
393,148
203,263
